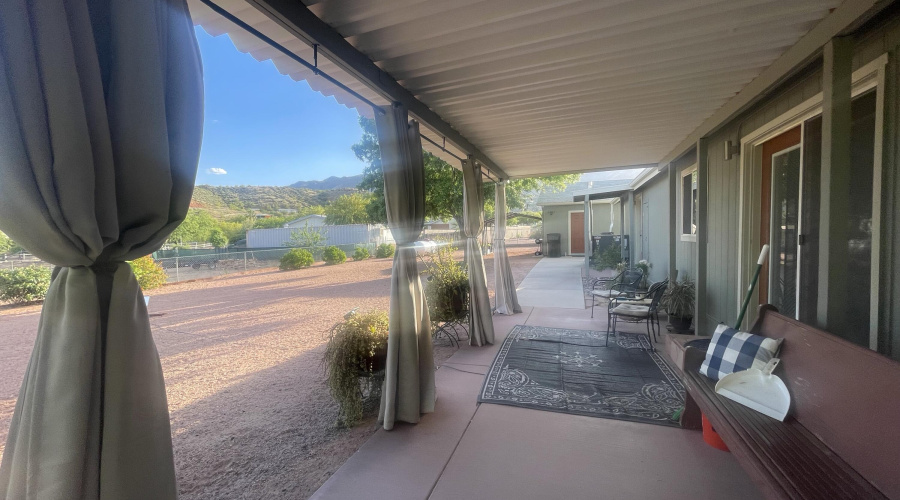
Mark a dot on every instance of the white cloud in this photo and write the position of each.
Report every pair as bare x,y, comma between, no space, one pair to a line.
216,171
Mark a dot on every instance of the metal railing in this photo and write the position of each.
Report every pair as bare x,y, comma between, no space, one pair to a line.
14,262
220,263
210,265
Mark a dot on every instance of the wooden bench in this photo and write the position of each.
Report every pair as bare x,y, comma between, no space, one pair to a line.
842,436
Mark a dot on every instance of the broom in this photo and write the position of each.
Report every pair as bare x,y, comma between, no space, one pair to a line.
737,325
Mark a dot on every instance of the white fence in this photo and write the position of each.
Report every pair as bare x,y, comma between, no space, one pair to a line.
351,234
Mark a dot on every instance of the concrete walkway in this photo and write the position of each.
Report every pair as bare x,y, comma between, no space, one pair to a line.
469,451
554,283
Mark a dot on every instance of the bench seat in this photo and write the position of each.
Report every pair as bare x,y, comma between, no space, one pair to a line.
796,463
840,438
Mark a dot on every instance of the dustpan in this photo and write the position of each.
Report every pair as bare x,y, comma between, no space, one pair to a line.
757,389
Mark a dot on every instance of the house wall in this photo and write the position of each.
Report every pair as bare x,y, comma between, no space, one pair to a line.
686,251
655,199
724,189
556,220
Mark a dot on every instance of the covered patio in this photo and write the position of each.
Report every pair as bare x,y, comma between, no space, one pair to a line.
471,450
503,89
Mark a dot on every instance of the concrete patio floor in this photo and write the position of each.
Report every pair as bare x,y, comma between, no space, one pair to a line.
554,282
469,451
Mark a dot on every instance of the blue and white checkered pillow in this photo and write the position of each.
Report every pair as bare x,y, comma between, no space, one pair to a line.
733,351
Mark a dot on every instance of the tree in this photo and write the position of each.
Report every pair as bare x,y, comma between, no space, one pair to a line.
307,237
197,226
217,238
270,222
348,209
443,183
6,243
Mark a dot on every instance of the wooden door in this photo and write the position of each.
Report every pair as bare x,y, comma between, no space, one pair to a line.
576,232
771,148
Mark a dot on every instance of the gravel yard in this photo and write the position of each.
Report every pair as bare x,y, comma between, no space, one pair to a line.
251,415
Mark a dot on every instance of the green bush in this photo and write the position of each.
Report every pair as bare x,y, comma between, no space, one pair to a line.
384,250
148,272
333,255
361,253
24,284
297,258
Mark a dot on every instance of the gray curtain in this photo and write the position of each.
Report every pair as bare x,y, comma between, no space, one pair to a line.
100,126
481,325
507,302
409,375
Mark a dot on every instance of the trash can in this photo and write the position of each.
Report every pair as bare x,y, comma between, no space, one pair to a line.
553,245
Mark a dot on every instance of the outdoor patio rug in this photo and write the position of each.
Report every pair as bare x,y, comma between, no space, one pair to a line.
570,371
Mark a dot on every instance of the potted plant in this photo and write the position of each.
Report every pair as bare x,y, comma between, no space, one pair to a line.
644,266
678,301
447,285
355,357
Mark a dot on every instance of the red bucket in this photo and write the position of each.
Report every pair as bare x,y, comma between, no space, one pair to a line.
711,436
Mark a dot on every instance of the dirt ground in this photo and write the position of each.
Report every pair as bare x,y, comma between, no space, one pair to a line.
251,415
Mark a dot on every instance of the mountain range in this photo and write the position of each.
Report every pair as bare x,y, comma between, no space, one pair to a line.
330,183
223,202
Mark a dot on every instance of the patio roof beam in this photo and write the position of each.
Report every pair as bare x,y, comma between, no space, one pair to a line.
847,17
299,20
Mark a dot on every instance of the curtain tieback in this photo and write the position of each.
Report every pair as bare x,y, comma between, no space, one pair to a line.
106,267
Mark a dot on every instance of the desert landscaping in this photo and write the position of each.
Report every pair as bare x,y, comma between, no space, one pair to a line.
242,356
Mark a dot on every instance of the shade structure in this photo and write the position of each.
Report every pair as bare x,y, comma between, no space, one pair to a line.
505,298
409,373
100,125
481,326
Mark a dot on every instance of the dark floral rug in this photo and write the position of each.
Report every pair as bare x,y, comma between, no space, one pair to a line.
570,371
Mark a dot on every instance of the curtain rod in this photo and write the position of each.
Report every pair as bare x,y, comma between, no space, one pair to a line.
442,148
314,67
485,172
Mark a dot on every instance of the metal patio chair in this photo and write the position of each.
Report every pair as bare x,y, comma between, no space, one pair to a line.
637,312
623,285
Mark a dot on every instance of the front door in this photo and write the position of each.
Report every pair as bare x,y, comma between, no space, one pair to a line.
576,232
780,221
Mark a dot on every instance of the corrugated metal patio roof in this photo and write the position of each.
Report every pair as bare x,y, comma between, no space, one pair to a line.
549,86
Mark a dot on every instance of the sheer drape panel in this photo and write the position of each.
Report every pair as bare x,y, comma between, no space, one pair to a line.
505,297
100,127
481,325
409,373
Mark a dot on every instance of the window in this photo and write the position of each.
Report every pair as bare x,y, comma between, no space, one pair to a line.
689,215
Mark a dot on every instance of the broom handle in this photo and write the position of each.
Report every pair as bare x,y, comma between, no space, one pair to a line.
759,263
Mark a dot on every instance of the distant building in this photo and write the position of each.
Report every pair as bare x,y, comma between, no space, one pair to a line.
313,220
563,216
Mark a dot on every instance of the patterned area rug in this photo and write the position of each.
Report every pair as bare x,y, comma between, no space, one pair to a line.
570,371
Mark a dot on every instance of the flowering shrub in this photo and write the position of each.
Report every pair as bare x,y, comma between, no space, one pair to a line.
148,272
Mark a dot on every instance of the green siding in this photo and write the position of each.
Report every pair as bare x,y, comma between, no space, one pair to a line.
655,194
722,295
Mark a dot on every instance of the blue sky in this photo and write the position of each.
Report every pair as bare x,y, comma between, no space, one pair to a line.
263,128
